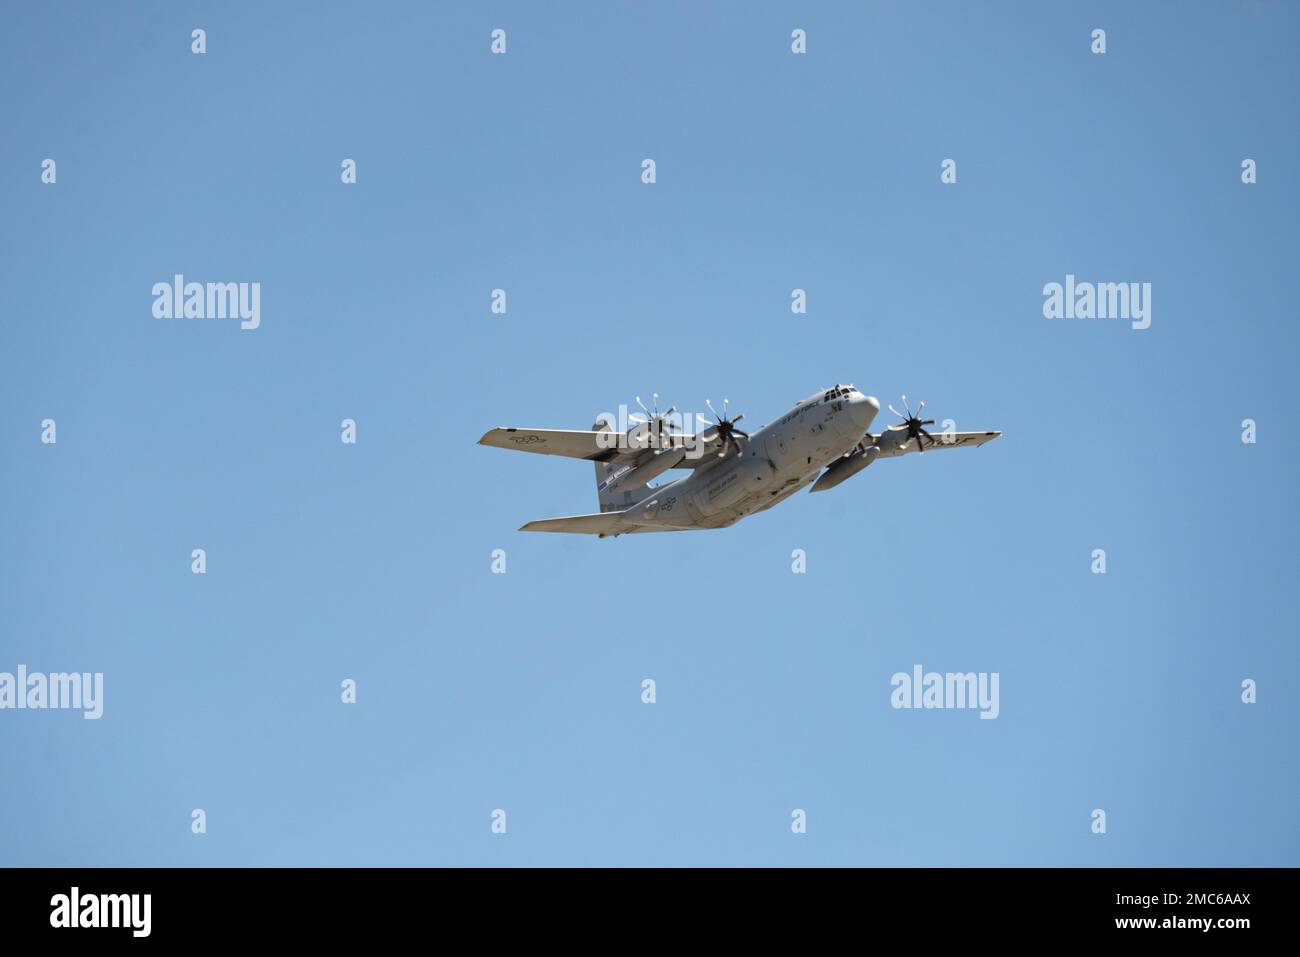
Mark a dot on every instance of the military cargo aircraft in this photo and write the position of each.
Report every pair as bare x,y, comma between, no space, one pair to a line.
822,441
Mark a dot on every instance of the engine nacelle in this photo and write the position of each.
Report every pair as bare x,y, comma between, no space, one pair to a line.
847,467
650,466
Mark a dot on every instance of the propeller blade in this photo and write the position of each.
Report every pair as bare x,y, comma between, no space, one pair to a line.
737,418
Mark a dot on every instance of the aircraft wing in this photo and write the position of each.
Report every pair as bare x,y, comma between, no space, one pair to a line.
895,442
579,444
571,443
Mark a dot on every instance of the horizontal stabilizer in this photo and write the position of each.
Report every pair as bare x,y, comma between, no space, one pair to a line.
604,523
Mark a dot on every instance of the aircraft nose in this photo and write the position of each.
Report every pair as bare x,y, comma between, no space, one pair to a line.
862,410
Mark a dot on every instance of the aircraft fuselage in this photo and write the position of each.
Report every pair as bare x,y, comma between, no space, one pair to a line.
776,461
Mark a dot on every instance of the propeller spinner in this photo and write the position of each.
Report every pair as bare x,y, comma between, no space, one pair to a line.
914,424
658,422
727,430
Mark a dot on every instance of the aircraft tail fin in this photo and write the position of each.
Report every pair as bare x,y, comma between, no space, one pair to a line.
610,496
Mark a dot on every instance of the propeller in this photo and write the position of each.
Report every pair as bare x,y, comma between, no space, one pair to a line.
658,422
726,427
914,424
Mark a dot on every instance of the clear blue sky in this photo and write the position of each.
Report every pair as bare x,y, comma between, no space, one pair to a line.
522,691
